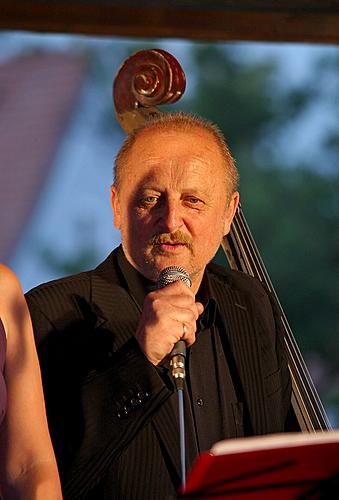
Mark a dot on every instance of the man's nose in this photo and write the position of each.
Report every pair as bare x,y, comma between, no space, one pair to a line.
171,217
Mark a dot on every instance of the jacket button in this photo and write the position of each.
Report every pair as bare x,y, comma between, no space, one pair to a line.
200,402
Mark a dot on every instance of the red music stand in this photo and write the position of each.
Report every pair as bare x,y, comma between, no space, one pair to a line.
276,466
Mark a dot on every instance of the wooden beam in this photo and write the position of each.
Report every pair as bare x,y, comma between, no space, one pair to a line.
304,24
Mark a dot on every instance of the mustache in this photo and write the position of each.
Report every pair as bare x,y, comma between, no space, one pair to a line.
171,238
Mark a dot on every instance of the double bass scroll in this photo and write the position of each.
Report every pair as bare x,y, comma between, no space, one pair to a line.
145,79
152,77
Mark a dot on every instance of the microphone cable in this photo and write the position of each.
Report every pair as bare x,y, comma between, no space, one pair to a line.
177,361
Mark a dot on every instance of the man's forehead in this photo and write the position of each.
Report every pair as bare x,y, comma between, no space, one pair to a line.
173,128
151,137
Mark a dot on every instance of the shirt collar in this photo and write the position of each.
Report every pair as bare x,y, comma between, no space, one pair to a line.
138,285
205,296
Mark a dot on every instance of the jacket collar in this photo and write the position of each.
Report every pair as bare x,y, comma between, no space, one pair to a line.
242,333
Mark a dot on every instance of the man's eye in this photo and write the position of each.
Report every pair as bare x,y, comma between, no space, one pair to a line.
149,200
191,200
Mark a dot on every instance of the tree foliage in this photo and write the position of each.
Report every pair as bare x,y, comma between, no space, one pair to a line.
293,211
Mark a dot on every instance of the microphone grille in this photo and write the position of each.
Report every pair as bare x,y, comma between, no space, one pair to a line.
173,273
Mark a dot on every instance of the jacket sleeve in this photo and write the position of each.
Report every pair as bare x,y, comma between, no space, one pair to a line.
97,398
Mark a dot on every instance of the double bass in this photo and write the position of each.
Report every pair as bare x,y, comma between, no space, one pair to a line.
149,78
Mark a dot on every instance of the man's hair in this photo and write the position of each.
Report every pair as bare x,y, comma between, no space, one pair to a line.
177,121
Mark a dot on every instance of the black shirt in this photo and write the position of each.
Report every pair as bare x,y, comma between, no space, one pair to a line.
212,409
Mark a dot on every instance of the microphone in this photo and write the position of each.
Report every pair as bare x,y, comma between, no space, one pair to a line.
178,354
177,362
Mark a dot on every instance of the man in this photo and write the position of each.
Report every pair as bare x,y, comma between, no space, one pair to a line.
104,336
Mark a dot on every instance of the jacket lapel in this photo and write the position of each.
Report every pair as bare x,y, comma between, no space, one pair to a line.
241,331
113,306
118,311
165,424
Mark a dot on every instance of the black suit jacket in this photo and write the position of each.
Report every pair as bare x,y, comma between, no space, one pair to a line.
110,411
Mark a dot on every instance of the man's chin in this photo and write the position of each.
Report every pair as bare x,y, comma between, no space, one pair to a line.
156,263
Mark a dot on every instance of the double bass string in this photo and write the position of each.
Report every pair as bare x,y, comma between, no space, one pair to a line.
309,405
297,365
300,371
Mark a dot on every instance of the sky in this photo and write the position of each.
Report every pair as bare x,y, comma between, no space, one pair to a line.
73,209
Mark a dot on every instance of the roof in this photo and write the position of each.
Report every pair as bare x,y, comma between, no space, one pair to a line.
38,92
261,20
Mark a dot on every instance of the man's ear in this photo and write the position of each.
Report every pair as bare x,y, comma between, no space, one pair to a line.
230,211
115,207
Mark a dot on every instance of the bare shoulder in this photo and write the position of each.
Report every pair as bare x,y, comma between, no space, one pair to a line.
12,301
9,283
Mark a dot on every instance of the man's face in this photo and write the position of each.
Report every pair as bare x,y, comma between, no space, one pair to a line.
173,206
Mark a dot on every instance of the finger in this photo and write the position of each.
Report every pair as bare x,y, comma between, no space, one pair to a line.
184,330
189,334
199,307
176,288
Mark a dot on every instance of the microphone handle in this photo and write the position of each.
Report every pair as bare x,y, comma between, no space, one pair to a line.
177,364
179,348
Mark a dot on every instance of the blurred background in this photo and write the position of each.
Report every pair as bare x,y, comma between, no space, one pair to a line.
277,105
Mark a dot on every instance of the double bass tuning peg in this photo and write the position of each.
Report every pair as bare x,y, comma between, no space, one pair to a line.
145,79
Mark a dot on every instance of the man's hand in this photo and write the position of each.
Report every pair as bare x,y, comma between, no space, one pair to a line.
164,314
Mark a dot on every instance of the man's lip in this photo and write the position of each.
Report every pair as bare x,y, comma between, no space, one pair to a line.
171,243
170,247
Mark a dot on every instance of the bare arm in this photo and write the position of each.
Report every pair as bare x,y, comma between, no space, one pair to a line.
27,464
